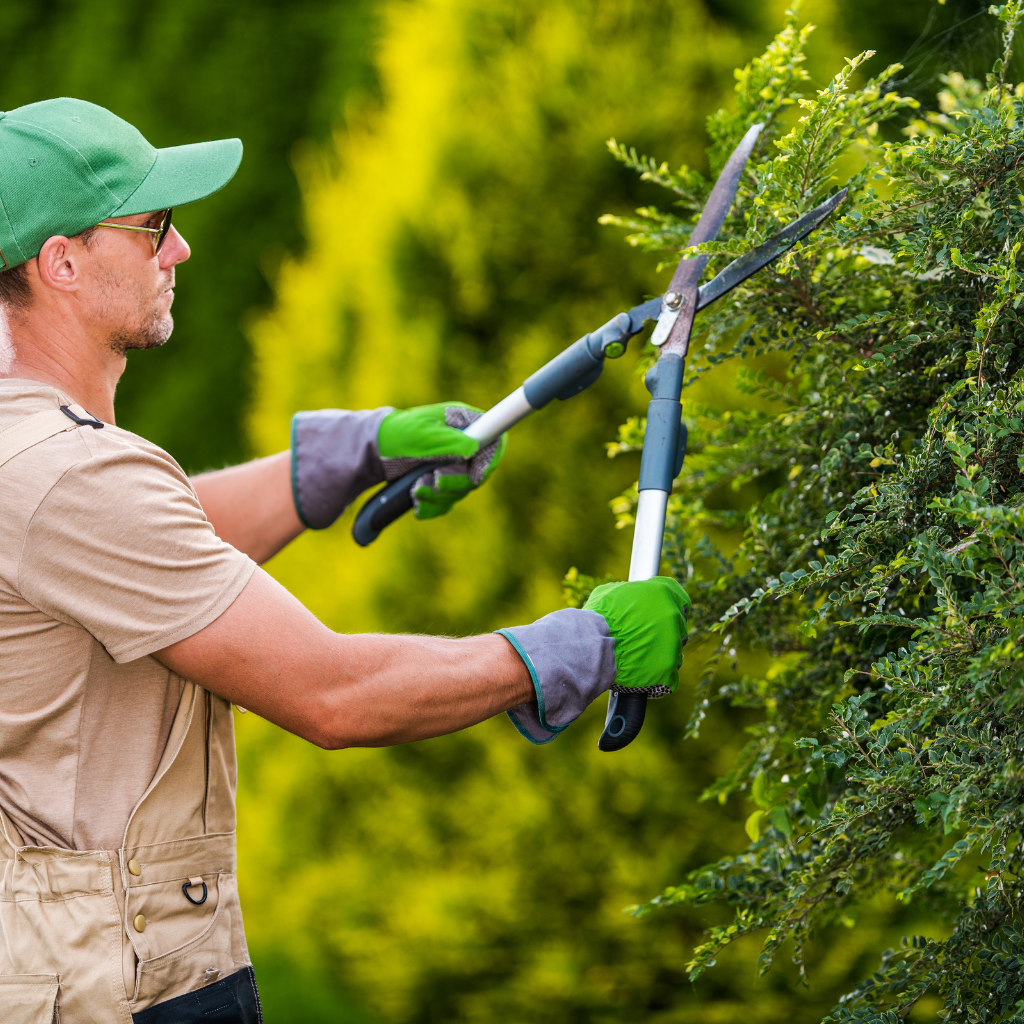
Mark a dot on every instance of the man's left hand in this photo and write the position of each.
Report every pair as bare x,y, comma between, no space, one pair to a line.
337,454
432,435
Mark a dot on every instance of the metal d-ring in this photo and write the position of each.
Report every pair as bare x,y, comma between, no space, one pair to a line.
195,903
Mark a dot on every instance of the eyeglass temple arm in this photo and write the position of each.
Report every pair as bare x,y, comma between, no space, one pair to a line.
129,227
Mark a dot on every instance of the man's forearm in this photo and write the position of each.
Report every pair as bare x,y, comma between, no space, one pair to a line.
415,687
251,505
270,654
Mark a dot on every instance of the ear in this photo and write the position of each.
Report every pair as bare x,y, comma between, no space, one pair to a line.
57,264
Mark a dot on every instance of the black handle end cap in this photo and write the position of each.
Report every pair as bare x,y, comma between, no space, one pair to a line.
624,721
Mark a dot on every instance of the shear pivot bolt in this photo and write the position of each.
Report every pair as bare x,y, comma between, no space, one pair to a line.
673,300
614,350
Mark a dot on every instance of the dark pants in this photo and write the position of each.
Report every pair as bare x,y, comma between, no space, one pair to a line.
232,1000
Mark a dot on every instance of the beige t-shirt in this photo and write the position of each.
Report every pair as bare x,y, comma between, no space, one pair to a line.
105,557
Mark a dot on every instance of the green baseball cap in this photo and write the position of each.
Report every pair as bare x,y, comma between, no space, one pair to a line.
66,164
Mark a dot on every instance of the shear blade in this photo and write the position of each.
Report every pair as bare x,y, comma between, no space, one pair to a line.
689,271
746,265
751,262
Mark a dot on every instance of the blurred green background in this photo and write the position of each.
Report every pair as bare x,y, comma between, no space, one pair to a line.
416,219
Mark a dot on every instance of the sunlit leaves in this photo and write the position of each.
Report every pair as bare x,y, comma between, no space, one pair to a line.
882,562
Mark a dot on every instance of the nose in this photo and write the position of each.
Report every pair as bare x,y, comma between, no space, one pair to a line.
175,250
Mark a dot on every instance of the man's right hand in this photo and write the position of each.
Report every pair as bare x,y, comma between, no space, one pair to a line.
647,618
270,654
628,637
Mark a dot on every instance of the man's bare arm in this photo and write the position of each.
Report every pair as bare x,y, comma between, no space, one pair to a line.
251,505
270,654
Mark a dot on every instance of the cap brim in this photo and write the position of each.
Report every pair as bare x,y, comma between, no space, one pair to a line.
184,174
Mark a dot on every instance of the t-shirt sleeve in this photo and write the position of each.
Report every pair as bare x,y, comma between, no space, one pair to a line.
121,547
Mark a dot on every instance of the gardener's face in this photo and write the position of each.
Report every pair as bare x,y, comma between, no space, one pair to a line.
128,287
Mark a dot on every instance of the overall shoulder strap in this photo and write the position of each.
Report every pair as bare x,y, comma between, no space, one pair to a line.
20,436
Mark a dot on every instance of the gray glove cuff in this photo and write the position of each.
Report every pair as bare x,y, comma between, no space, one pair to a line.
571,658
334,459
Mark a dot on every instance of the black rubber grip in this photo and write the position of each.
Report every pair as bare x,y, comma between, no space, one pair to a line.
387,505
624,721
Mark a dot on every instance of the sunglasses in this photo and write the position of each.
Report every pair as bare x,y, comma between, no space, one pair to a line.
157,234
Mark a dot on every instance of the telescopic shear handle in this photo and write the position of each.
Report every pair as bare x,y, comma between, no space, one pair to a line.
623,722
385,507
663,454
570,372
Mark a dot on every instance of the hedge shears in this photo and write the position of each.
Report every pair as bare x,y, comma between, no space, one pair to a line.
579,366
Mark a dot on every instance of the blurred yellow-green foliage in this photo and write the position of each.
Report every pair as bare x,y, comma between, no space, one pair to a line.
453,248
444,242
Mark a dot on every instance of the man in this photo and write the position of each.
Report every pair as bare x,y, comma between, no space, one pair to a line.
133,614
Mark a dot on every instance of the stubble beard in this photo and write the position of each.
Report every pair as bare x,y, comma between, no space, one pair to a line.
151,331
152,334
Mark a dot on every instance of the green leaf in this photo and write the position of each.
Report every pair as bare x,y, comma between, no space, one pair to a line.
780,819
753,825
758,791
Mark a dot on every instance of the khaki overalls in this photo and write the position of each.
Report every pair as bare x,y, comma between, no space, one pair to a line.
91,936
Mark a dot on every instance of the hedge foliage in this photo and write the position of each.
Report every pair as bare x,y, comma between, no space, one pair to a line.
881,565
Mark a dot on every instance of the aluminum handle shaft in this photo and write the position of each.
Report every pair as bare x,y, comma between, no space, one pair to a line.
648,535
499,418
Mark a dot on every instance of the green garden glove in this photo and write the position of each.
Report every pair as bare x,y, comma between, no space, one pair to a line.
432,434
628,638
647,618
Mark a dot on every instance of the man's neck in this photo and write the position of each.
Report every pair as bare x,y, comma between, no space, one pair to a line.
85,370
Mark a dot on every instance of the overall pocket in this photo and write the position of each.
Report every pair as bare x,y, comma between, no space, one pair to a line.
207,957
29,998
162,918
